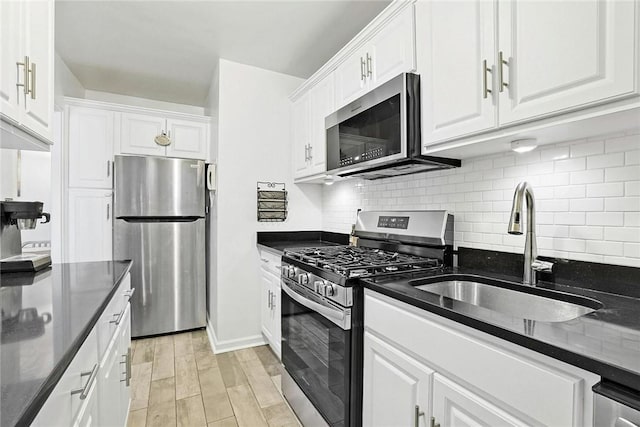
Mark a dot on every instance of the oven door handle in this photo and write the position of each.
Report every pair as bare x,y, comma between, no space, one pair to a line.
338,317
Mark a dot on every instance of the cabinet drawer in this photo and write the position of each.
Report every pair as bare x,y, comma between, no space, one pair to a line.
270,262
505,376
112,317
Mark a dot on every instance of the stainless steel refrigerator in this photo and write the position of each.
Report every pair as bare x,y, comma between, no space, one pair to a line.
160,225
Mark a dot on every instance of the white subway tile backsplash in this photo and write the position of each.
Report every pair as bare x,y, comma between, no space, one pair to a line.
614,189
587,198
587,177
605,161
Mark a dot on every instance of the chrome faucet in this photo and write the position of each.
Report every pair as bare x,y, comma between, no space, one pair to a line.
531,261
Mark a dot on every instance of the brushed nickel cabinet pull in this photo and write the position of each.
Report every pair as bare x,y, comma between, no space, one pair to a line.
84,391
32,87
416,416
269,301
273,300
310,152
485,84
434,423
362,65
108,211
127,367
25,85
108,168
369,70
502,62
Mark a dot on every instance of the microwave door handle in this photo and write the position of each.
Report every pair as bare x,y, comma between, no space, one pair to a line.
335,316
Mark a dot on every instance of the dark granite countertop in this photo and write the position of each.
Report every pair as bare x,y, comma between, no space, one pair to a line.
605,342
46,317
278,241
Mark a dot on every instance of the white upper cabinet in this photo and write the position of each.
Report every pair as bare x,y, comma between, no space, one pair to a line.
184,138
138,133
26,82
321,104
456,52
89,221
189,139
389,52
564,55
301,133
91,136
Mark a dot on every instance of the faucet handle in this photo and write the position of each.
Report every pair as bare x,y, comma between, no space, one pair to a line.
543,266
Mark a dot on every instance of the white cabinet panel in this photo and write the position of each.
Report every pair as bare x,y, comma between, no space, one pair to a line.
392,50
91,133
89,225
321,104
265,303
38,43
564,55
109,407
455,38
137,134
301,136
351,78
125,371
11,96
454,405
188,139
393,385
270,303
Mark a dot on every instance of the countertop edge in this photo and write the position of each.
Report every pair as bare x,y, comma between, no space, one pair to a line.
606,371
274,251
33,408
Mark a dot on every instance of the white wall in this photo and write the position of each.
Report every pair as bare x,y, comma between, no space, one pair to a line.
65,82
587,199
142,102
254,144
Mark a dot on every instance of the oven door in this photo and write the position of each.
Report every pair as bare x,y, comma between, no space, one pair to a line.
316,350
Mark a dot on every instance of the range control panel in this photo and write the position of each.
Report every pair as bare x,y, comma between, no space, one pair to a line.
397,222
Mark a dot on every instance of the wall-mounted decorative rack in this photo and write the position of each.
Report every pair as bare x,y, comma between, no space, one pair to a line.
272,202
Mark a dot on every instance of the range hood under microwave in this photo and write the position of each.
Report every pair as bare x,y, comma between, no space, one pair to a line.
378,135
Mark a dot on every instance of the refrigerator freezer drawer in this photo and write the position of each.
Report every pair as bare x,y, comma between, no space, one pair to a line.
168,273
159,187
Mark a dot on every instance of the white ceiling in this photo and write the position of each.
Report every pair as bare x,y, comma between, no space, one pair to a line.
167,50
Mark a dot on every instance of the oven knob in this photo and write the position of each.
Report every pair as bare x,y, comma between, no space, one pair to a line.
303,278
329,290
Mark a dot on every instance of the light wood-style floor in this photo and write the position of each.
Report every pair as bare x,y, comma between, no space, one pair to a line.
178,381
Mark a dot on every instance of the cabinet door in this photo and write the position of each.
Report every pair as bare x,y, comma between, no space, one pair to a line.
188,139
392,50
455,39
89,226
11,96
138,132
301,134
565,55
91,133
38,45
125,355
351,78
321,99
393,385
109,404
265,303
276,313
453,405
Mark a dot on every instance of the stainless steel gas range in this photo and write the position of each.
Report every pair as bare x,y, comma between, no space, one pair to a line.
322,307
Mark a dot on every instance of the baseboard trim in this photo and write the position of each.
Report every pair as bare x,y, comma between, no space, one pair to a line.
218,346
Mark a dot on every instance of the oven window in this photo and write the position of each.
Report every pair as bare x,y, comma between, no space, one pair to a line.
316,353
373,133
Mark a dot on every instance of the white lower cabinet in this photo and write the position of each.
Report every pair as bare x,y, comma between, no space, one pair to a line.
95,388
421,369
396,386
89,225
270,300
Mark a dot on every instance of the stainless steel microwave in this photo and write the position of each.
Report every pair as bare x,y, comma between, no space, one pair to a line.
378,135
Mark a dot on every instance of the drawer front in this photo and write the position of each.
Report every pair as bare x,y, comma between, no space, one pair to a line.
542,392
113,316
270,262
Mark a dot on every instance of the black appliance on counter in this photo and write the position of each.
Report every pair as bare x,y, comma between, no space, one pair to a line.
322,307
378,135
16,216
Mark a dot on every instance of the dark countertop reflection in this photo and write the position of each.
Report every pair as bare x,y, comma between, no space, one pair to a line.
606,341
46,316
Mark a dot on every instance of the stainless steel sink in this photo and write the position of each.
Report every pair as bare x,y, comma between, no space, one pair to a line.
513,303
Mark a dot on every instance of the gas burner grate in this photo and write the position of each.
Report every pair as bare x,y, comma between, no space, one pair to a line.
353,261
